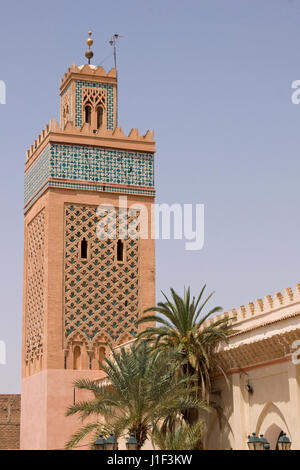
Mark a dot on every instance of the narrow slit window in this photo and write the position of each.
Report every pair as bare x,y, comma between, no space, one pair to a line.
120,250
101,356
99,117
88,114
83,249
77,358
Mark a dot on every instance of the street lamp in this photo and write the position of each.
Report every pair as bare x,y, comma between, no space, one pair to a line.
254,442
111,443
131,443
266,445
100,443
284,442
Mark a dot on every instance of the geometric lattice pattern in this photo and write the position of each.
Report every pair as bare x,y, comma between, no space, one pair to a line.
94,97
134,170
34,329
101,294
66,107
80,85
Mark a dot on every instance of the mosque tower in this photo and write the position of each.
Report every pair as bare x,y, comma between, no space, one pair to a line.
82,290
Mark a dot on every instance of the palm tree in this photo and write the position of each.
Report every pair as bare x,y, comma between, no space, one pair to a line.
141,390
181,329
183,437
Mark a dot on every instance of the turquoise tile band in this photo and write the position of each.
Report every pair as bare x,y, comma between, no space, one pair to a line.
85,167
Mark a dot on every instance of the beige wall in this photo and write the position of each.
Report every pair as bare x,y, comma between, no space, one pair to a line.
273,406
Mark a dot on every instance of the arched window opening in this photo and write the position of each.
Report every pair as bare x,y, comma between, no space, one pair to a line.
120,250
83,249
101,356
88,114
90,361
99,117
77,358
126,303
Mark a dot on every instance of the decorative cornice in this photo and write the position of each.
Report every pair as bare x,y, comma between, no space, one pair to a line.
85,135
258,351
58,183
87,72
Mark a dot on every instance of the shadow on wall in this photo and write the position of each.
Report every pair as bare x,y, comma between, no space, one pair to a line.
271,423
219,434
272,435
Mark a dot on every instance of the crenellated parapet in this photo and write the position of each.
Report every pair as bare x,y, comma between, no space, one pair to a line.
35,148
88,71
262,311
86,135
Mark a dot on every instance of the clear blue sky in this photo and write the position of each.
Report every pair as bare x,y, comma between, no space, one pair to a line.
213,78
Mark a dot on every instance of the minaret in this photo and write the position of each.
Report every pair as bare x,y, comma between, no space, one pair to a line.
81,292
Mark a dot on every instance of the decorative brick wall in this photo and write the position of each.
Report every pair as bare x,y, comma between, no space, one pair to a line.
101,294
35,311
10,408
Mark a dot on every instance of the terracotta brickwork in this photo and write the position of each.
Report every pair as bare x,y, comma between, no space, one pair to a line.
35,311
10,408
66,107
101,293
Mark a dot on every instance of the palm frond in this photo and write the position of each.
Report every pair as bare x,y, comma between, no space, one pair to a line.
81,434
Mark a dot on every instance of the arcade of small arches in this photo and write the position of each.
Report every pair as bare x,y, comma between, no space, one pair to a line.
94,107
83,355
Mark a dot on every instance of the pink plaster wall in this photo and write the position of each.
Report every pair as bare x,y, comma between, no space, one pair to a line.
45,398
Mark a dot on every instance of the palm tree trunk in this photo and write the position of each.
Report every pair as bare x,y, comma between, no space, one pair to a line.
140,433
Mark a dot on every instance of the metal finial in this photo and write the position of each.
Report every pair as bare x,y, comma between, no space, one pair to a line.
113,42
89,54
